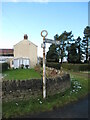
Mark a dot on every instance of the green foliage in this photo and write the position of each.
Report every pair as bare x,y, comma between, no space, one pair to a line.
53,65
52,54
86,41
76,67
41,61
87,31
38,68
84,67
79,48
72,57
22,66
4,66
56,37
64,38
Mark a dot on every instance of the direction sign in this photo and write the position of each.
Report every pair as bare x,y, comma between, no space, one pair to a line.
52,41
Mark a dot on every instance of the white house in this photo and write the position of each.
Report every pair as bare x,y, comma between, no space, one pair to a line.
25,53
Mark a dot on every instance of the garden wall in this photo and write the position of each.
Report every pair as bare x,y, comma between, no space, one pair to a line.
13,89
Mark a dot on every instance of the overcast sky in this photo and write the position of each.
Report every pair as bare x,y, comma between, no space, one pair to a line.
19,18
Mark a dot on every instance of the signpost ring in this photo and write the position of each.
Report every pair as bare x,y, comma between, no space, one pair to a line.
43,32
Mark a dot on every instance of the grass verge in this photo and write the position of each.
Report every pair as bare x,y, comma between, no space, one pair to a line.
21,74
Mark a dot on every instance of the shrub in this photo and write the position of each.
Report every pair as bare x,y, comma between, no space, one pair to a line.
22,66
85,67
27,66
52,60
38,68
76,67
53,65
5,66
41,62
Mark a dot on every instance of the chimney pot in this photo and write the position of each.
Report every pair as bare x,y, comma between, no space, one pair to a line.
25,36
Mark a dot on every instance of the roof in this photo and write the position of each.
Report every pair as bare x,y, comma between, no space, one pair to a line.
33,43
26,40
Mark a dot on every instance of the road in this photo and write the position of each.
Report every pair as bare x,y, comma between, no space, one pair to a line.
73,110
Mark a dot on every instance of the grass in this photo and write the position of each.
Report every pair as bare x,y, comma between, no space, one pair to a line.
21,74
79,89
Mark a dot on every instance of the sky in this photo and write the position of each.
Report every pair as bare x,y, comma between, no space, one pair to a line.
19,18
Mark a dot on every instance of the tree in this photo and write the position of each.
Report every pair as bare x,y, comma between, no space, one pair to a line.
86,41
62,46
68,41
78,43
72,58
52,54
56,37
64,38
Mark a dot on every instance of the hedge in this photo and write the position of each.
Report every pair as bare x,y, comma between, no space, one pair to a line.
53,60
53,65
4,66
76,67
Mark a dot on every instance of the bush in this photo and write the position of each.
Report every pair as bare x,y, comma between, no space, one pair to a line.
53,65
53,60
41,62
76,67
38,68
27,66
5,66
22,66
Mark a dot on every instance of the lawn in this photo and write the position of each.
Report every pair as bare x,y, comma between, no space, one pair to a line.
21,74
79,89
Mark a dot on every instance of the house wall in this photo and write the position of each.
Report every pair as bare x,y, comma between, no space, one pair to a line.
26,49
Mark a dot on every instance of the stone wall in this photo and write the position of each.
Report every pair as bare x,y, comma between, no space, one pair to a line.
13,89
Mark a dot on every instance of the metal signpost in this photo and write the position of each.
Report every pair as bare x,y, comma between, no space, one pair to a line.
44,46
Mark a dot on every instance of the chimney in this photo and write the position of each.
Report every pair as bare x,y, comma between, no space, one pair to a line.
25,37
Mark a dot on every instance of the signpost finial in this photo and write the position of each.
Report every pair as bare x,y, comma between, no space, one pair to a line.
44,31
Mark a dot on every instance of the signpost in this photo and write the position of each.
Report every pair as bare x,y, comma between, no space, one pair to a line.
52,41
44,46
